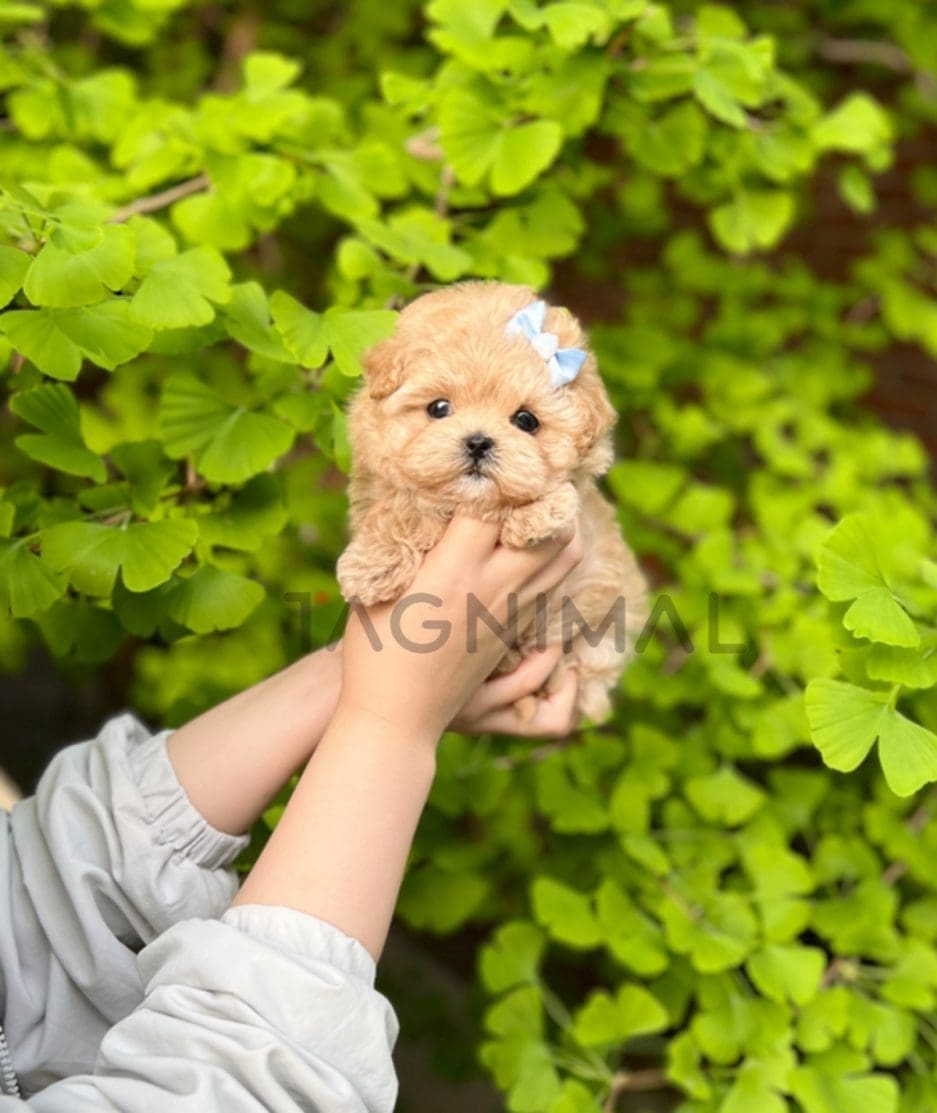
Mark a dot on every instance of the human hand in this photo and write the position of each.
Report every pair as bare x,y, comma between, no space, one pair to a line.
415,663
492,706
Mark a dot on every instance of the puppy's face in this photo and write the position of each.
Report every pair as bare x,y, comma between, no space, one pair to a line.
456,409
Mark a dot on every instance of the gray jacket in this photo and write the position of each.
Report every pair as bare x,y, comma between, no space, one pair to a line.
126,985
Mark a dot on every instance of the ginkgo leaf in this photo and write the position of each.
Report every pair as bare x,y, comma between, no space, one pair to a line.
908,753
440,900
81,630
671,143
631,936
13,267
243,445
752,219
512,956
232,443
714,95
352,332
53,409
847,562
878,616
142,612
845,721
266,72
62,279
604,1019
347,333
753,1089
79,229
154,243
416,236
182,291
55,340
146,470
858,123
522,153
247,319
106,333
911,668
849,569
724,797
570,808
570,24
784,973
254,513
213,599
304,331
565,912
35,334
821,1092
28,585
476,141
145,553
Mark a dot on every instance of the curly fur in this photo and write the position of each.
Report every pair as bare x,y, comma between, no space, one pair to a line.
410,473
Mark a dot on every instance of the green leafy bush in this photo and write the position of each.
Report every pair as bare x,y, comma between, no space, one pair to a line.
209,215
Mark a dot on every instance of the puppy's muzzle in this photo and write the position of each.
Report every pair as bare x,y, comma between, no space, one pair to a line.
478,446
478,450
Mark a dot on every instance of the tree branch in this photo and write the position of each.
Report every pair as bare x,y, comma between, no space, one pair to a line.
161,200
440,208
240,40
866,52
653,1078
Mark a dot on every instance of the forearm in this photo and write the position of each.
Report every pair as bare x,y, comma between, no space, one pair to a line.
340,849
233,759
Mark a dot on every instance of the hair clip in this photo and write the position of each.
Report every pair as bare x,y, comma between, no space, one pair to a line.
564,364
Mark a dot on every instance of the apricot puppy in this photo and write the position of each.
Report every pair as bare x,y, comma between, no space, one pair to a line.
486,400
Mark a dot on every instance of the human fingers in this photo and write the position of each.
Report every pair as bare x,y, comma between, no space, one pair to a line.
469,537
503,691
555,715
555,570
529,676
518,567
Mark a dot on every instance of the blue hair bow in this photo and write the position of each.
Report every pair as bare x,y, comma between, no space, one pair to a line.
564,364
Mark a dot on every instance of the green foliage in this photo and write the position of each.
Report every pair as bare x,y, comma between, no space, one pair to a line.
210,214
890,594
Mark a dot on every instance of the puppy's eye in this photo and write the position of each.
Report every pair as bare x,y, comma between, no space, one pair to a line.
525,421
439,408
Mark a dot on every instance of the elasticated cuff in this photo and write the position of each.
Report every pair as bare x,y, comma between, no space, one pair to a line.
305,936
175,819
290,991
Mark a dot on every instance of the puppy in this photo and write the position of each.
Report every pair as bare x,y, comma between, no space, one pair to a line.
485,400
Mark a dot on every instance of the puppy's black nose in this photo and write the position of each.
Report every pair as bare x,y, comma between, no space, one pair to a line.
478,445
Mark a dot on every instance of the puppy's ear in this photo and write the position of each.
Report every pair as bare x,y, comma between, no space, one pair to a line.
595,412
385,366
597,418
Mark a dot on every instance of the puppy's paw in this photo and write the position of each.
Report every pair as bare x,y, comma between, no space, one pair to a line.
593,700
526,708
371,576
509,662
538,521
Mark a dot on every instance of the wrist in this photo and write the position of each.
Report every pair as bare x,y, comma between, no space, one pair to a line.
403,728
315,681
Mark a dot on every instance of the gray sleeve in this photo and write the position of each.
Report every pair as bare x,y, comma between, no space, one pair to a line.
107,854
266,1009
